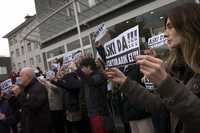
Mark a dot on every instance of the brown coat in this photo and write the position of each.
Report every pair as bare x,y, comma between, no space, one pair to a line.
176,97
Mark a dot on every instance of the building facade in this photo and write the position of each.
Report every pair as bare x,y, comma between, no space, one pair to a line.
24,52
59,34
117,15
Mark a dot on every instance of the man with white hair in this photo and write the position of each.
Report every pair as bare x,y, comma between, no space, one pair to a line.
32,100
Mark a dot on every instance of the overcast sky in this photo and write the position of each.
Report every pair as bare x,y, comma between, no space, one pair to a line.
12,13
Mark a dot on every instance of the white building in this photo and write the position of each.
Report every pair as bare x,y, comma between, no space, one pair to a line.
24,52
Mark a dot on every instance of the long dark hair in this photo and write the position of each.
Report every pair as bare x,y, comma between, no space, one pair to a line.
186,21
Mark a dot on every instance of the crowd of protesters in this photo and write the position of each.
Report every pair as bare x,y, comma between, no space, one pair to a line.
86,97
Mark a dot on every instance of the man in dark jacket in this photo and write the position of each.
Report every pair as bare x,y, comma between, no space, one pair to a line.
32,100
7,117
95,95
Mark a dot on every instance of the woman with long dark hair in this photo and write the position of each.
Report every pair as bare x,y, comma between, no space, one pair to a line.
182,30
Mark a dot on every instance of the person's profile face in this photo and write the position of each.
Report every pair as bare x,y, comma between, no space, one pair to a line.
173,37
24,78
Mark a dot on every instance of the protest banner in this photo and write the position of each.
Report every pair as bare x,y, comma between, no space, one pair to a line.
67,58
148,84
6,86
18,81
50,74
100,32
157,41
122,50
55,67
77,55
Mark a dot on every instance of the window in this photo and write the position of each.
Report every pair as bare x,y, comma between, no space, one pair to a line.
55,52
36,45
88,51
70,12
13,67
38,59
73,45
10,42
91,3
19,65
12,53
24,62
31,61
22,50
3,70
86,40
17,53
29,46
13,40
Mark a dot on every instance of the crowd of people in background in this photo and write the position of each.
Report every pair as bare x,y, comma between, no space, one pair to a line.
86,97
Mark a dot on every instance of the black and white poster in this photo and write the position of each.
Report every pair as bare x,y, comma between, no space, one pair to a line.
157,41
100,32
67,58
123,49
77,55
6,85
50,74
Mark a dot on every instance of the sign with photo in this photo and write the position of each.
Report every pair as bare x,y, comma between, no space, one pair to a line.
100,32
123,49
6,85
157,41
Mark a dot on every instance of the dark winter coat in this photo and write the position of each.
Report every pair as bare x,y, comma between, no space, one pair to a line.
95,94
34,108
10,120
71,84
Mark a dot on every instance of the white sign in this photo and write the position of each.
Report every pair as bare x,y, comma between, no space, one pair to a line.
157,41
50,74
77,55
6,85
100,32
123,49
55,67
67,58
148,84
18,81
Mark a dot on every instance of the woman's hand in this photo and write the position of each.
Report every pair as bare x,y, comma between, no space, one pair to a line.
116,75
153,68
2,116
